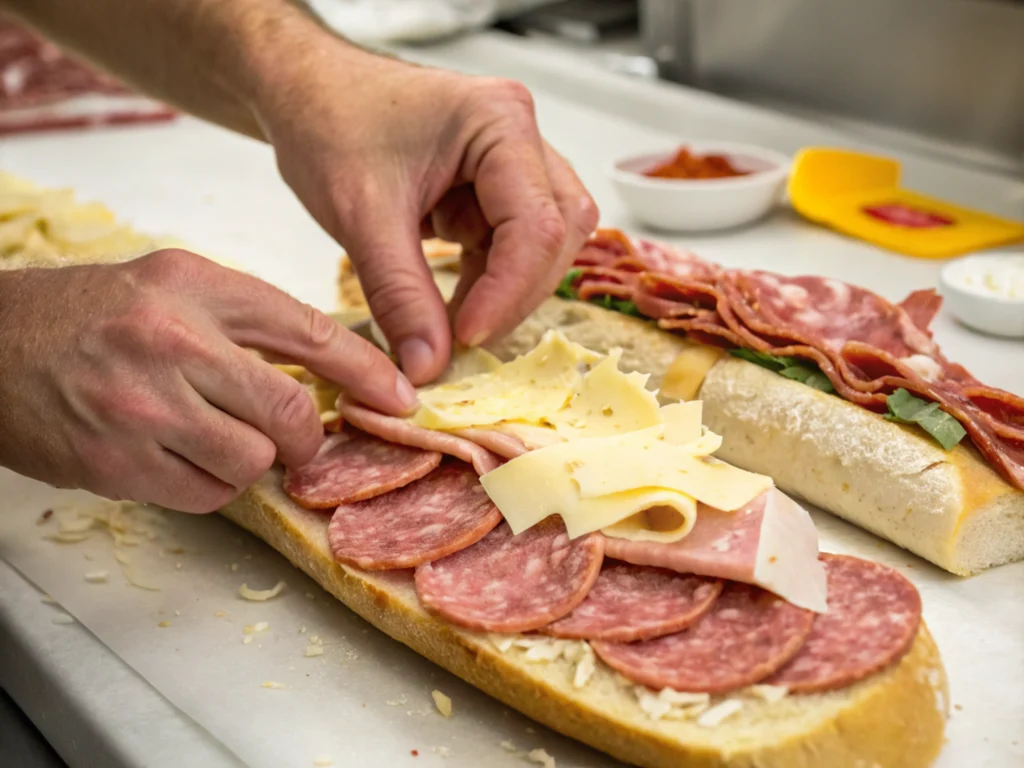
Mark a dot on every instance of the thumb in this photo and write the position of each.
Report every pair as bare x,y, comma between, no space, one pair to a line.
406,303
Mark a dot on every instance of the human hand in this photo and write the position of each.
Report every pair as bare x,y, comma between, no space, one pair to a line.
383,153
132,380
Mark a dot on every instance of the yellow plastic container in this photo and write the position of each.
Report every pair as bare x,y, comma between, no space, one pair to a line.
859,195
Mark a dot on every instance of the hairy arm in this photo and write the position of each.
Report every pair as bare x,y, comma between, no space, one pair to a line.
207,57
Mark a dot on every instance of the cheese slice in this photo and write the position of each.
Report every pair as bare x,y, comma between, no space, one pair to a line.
536,485
609,402
658,464
528,388
469,361
686,374
684,425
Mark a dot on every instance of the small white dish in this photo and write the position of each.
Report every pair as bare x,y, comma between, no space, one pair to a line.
986,292
701,205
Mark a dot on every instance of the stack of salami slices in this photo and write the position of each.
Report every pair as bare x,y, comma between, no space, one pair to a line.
867,347
41,89
410,498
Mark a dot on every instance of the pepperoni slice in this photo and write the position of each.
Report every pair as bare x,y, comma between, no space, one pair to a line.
747,635
637,602
445,512
872,620
507,583
352,466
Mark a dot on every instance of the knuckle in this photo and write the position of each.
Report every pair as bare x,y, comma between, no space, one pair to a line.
171,266
590,215
514,93
550,229
321,331
259,459
291,410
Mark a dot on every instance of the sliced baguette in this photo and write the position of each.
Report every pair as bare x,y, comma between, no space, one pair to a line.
949,507
893,719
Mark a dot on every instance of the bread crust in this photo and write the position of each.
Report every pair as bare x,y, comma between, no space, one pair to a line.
894,718
949,507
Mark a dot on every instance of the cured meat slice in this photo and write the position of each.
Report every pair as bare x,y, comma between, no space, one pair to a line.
633,602
507,583
872,620
922,307
400,431
352,466
445,512
770,542
499,442
746,636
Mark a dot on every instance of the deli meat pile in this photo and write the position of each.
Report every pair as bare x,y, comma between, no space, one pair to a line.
679,617
868,347
43,89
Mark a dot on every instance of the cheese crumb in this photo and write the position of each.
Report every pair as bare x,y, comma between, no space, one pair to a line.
63,618
48,600
260,595
314,650
719,713
234,566
310,596
96,577
508,746
247,639
323,761
273,686
165,623
769,693
502,642
442,702
585,667
220,614
397,702
442,751
541,757
178,565
259,626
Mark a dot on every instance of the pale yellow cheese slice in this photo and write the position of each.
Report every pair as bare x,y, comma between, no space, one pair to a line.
609,402
526,389
684,378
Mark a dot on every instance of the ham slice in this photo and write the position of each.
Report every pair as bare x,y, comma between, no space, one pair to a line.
396,430
771,542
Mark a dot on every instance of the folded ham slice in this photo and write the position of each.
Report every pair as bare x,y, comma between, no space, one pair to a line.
771,542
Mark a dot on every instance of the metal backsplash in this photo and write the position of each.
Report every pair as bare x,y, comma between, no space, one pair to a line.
952,70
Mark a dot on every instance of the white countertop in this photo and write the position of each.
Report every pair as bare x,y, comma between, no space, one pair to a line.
222,194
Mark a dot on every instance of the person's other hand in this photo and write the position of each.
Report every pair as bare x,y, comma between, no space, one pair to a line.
134,381
383,153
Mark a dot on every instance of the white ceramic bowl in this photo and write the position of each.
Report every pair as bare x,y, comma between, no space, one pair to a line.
695,205
962,287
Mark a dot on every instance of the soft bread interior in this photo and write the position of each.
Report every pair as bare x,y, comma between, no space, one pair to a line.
894,718
949,507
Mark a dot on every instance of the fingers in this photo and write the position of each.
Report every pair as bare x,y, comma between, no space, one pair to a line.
407,305
252,313
540,215
176,483
273,414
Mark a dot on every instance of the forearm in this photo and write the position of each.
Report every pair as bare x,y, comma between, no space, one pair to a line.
207,57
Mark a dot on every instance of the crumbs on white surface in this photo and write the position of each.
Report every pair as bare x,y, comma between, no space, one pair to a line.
508,746
442,702
540,757
48,600
719,713
164,624
96,577
178,565
310,596
234,566
63,618
129,572
442,751
273,686
260,595
314,650
302,630
400,701
247,639
259,626
220,614
323,761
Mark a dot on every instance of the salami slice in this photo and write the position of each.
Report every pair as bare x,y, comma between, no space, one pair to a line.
353,466
445,512
636,602
507,583
746,636
872,620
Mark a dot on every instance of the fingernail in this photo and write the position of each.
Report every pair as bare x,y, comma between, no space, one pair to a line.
406,393
477,340
416,358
